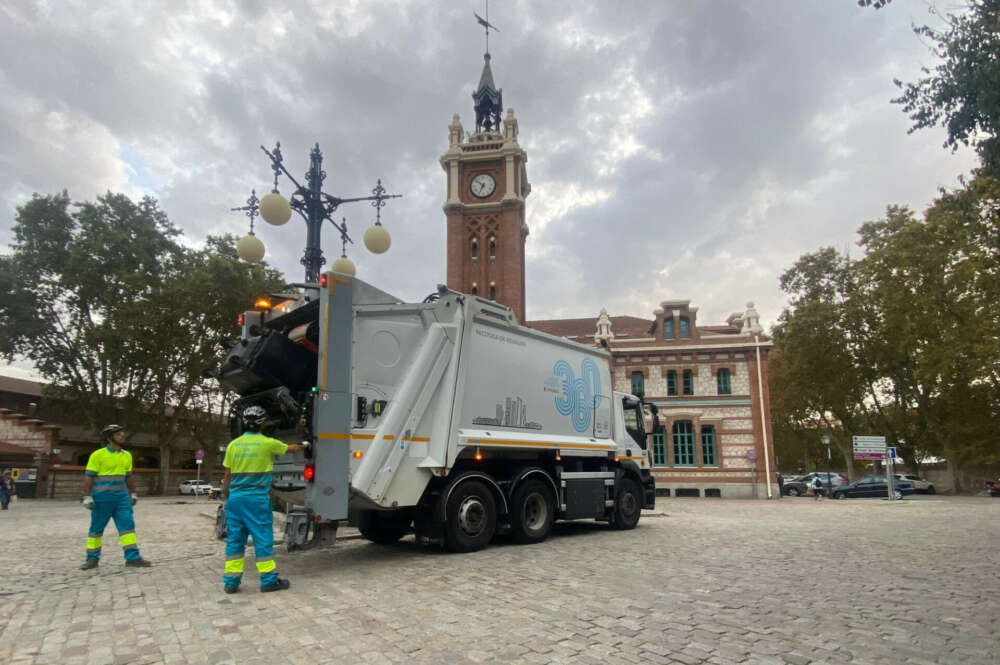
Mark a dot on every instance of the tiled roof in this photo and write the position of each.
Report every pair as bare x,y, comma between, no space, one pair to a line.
584,329
11,449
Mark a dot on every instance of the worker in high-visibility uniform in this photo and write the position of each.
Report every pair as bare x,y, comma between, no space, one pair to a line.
247,488
108,474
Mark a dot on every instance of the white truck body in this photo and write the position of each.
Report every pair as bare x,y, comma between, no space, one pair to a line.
412,400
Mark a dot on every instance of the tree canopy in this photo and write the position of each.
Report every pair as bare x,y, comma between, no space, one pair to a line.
961,93
118,314
904,340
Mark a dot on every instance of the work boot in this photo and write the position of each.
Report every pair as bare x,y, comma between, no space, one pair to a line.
231,589
138,563
280,585
89,564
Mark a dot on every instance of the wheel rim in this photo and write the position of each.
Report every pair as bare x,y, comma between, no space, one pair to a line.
898,494
629,504
535,512
472,516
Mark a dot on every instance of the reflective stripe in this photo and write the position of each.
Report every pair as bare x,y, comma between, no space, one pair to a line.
104,480
94,543
234,566
234,557
266,566
108,489
127,538
130,548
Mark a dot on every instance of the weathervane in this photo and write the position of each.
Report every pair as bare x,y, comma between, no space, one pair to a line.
485,22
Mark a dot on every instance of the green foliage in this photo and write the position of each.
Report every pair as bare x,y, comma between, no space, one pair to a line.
904,341
962,93
118,315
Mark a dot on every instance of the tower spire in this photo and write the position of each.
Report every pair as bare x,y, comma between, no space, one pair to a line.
487,99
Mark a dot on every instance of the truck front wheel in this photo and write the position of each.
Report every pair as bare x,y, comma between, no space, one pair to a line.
533,511
382,527
628,505
471,517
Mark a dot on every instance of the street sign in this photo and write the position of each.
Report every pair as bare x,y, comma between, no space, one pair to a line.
198,462
891,452
751,455
869,447
199,454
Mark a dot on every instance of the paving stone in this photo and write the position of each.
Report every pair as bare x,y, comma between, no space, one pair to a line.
730,583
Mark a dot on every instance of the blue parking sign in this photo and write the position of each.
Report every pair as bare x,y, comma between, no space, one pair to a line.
890,452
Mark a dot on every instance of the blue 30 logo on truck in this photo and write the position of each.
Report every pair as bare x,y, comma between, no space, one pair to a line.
577,398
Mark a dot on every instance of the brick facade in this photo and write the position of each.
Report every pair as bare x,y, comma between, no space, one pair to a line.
711,443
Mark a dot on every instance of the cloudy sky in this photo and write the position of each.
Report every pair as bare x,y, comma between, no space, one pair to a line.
677,149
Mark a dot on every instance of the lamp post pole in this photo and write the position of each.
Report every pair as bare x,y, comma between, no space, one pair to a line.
829,463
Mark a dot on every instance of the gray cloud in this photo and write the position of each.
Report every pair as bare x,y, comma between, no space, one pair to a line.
676,150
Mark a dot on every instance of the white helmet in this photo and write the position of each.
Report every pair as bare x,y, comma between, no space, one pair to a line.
254,416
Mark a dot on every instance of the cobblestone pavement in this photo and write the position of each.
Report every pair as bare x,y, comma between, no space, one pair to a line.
702,581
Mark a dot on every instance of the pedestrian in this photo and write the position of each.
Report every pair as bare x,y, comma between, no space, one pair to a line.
817,485
6,489
246,488
108,474
781,485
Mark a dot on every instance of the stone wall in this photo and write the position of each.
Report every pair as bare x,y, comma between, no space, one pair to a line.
27,432
66,482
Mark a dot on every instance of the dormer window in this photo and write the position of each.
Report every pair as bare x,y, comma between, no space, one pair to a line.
668,328
685,327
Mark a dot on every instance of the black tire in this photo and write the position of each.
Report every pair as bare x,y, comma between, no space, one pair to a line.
839,495
384,528
628,505
471,517
793,492
532,511
898,495
931,490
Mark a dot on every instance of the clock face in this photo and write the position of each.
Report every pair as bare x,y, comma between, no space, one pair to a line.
483,185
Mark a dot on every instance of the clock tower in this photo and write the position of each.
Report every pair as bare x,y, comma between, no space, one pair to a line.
487,183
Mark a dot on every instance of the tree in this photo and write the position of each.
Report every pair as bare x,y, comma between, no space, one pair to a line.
962,93
118,315
903,341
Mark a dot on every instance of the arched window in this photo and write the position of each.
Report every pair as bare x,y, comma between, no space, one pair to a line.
638,384
708,457
688,382
493,292
475,249
493,250
683,443
475,289
672,382
685,327
723,382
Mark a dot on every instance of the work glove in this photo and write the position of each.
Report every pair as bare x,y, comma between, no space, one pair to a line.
88,502
307,444
135,497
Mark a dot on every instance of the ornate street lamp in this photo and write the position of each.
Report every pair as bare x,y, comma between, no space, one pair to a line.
314,206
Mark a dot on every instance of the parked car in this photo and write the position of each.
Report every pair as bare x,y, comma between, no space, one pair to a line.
920,485
993,487
836,479
194,487
872,486
794,486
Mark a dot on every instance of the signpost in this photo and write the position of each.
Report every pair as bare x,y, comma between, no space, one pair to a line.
874,448
199,457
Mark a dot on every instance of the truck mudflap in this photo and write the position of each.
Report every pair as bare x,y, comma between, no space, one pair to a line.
648,489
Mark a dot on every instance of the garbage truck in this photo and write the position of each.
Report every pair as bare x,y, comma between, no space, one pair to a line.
443,418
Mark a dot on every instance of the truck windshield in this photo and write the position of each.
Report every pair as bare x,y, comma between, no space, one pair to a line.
632,410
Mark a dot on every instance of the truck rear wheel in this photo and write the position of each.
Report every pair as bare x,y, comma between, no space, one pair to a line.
384,528
471,517
533,511
628,505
